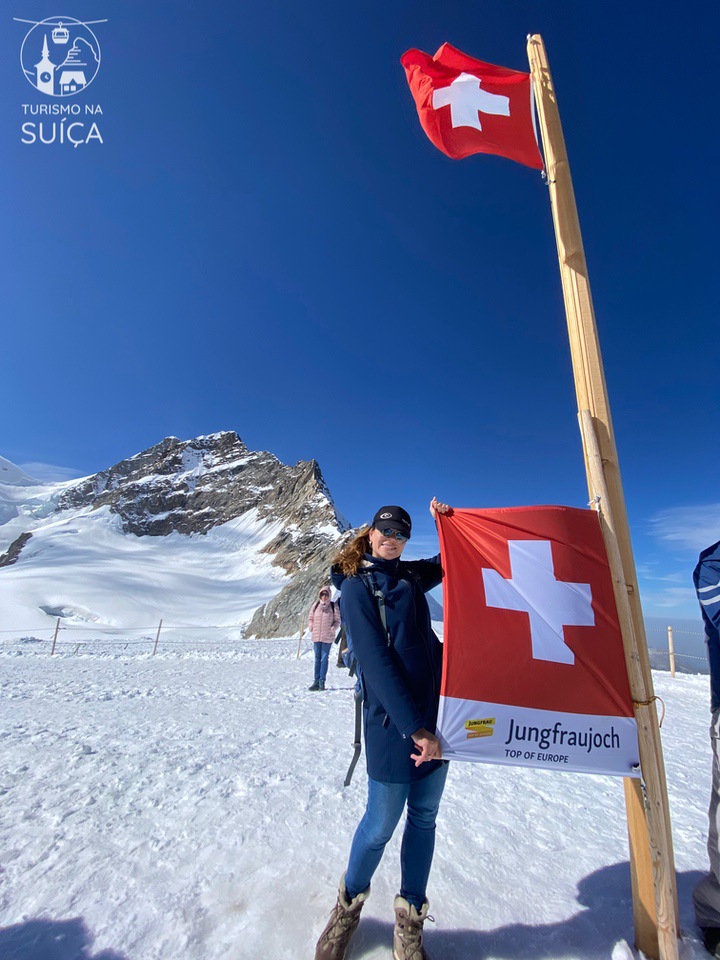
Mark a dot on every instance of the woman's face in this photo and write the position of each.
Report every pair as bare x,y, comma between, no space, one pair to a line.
385,548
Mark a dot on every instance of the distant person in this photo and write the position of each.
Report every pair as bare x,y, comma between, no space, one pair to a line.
399,662
323,624
706,895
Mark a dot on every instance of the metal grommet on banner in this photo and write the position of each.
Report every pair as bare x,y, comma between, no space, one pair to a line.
646,703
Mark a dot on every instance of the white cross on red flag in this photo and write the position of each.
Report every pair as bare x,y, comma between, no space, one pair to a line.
534,670
468,106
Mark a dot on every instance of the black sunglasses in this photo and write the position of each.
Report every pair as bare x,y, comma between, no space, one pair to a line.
390,534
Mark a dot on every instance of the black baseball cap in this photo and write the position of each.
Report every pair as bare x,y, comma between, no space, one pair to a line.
393,518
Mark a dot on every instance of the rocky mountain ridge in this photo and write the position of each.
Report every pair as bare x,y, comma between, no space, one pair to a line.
190,486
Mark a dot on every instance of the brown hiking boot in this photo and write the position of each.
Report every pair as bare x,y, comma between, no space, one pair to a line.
408,933
342,924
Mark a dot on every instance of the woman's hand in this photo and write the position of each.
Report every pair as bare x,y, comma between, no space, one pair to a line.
428,745
436,507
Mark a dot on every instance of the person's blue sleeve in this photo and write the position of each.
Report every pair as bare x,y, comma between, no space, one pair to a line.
377,662
707,585
429,571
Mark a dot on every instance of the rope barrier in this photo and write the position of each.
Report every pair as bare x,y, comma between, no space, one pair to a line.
114,637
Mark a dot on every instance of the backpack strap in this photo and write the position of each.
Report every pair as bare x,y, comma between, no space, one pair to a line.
368,579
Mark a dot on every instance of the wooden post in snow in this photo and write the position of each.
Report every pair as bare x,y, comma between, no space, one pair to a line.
671,651
302,631
157,638
57,627
651,854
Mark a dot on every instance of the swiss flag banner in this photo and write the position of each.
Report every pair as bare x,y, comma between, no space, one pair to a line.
534,670
467,106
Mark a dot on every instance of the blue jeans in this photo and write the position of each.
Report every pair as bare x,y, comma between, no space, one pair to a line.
385,805
322,652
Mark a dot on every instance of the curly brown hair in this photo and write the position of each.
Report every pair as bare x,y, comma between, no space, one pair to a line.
351,556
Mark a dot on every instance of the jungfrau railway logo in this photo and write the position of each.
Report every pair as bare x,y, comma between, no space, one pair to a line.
60,56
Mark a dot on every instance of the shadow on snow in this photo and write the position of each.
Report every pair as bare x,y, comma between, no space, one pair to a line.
606,919
51,940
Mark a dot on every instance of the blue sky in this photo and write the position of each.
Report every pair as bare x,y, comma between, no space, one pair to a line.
265,241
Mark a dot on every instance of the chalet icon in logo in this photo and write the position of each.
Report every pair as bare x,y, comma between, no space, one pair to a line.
60,56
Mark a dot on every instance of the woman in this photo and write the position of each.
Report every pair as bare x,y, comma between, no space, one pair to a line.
323,624
400,664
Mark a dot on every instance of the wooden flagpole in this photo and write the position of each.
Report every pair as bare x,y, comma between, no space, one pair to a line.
651,852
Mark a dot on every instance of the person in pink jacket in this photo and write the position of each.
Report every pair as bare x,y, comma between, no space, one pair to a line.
323,624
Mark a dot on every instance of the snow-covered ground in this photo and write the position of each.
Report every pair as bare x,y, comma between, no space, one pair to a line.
190,806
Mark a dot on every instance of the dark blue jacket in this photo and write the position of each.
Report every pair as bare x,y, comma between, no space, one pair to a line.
401,681
706,578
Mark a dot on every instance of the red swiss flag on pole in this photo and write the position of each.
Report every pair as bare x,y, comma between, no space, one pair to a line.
467,106
534,671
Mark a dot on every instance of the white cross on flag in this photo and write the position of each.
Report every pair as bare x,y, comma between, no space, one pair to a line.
468,106
534,670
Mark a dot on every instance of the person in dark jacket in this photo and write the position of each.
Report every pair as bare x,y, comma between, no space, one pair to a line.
706,895
400,666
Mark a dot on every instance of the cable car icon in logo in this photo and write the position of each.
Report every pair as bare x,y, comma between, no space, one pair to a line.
60,34
60,56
